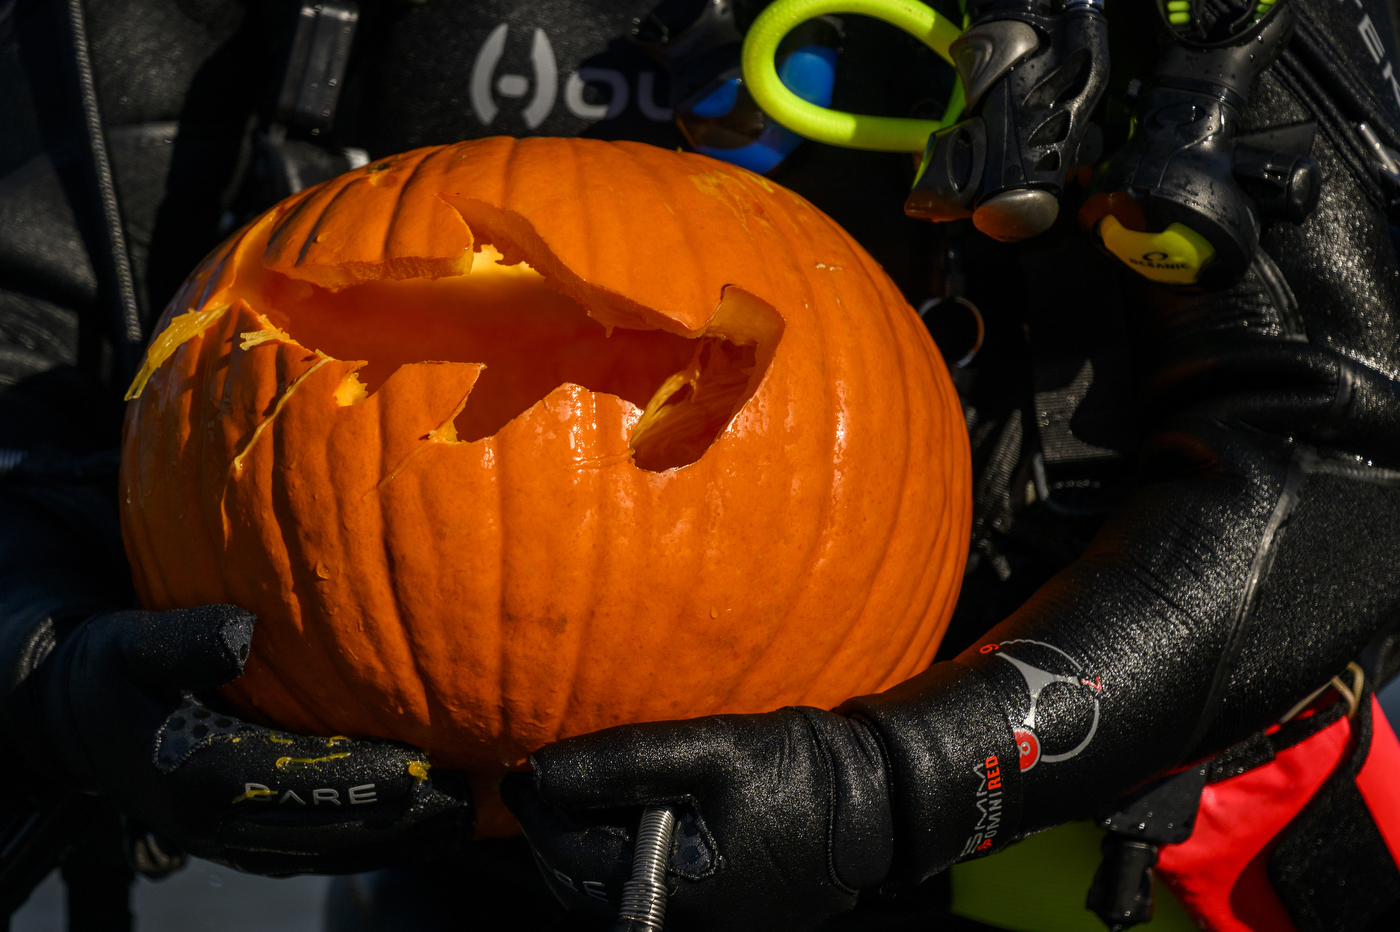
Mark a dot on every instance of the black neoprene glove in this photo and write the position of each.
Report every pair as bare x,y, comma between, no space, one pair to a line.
1252,559
110,711
104,702
784,817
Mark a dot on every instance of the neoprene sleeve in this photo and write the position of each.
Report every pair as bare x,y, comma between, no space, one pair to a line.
1255,557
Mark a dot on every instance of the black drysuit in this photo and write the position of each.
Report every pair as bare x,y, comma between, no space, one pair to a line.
1195,496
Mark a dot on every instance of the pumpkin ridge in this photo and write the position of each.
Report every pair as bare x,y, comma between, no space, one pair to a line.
328,661
308,682
284,221
782,634
236,464
834,479
310,239
425,267
340,242
402,632
909,423
396,212
917,644
576,639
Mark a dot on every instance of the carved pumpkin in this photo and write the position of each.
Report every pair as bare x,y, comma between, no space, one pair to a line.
507,441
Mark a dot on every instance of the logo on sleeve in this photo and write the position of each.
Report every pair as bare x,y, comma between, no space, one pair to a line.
988,801
1061,698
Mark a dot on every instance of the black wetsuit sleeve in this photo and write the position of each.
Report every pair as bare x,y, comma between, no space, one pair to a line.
1254,559
60,413
51,340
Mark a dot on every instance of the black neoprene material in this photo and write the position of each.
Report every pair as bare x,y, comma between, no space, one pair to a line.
105,710
800,840
1246,569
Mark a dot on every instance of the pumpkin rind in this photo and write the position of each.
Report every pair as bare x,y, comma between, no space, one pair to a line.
480,599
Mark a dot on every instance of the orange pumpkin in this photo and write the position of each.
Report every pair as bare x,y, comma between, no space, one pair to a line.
507,441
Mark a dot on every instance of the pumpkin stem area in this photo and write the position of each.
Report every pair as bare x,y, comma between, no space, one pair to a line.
531,339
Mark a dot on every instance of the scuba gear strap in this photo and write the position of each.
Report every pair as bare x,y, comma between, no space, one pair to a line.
287,157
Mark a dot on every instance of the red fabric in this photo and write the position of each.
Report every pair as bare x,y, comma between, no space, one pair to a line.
1219,873
1379,780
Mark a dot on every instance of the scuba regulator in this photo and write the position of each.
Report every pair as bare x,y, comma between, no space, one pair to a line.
1032,78
1181,203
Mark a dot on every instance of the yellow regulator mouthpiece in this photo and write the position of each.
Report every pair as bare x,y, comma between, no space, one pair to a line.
1174,256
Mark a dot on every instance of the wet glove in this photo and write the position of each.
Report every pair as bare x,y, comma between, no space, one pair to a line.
110,710
784,817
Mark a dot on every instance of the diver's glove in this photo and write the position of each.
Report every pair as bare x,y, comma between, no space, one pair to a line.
1250,561
106,706
784,818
